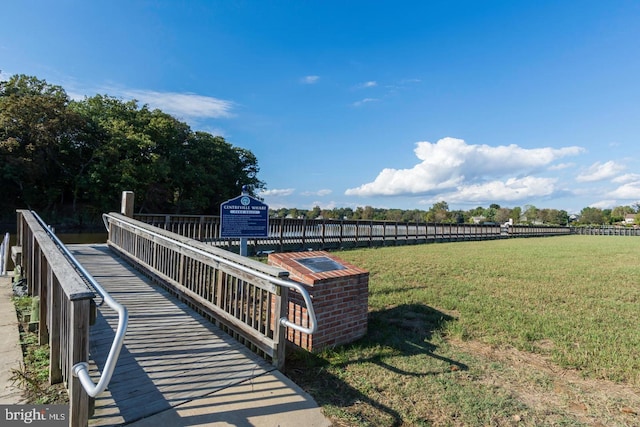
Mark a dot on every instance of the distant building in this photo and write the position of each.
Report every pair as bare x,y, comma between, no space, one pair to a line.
630,218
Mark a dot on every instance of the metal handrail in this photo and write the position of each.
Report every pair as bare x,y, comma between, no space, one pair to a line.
290,284
4,254
81,369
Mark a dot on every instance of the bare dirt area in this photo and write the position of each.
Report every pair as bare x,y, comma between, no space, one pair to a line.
554,393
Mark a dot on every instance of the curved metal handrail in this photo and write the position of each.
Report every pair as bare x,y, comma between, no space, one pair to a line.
81,369
290,284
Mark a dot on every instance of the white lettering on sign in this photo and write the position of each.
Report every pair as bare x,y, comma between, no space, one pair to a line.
258,208
244,212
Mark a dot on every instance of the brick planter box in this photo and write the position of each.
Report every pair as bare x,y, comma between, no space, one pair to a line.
340,295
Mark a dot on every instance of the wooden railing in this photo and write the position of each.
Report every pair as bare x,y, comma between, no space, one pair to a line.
245,297
537,230
606,231
65,309
302,234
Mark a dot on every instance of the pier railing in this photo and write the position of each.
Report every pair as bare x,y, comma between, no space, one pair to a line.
245,297
606,230
65,308
302,234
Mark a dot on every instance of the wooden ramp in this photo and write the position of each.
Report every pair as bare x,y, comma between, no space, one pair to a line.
171,354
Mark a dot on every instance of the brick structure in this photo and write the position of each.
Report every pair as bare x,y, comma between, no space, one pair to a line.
340,295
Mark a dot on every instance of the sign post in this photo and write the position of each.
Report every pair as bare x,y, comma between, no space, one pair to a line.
244,217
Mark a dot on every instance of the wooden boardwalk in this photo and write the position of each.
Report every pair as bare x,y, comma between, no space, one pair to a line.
171,354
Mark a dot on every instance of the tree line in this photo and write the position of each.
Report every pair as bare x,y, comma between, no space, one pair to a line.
72,159
440,213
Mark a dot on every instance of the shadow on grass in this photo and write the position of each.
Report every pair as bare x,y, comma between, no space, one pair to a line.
399,332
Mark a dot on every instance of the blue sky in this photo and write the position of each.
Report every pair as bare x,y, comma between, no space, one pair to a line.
355,103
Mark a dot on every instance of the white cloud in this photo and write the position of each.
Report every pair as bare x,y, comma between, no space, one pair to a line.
277,192
182,104
627,177
453,165
368,84
561,166
323,192
600,171
364,101
603,204
309,80
628,191
510,190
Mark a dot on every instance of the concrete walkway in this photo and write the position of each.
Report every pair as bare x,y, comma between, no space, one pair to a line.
10,351
270,400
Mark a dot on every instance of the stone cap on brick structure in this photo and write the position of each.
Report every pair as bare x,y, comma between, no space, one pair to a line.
300,273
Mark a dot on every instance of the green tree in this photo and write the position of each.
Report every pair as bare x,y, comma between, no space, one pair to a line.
40,143
479,211
367,213
515,214
490,214
531,214
439,212
414,215
503,215
314,213
458,217
56,153
591,216
169,167
394,215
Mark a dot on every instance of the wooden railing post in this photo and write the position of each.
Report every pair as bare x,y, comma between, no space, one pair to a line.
280,309
79,342
54,297
127,203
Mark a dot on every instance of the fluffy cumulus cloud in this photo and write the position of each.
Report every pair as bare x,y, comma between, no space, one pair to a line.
600,171
629,189
457,170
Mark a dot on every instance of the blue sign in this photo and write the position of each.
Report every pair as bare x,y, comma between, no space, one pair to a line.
244,216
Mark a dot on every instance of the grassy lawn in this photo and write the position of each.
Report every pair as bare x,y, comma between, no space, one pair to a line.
540,331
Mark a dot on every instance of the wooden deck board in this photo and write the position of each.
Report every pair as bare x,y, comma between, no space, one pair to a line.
170,354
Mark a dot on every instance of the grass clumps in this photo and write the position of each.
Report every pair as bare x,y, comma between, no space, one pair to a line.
506,332
33,375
